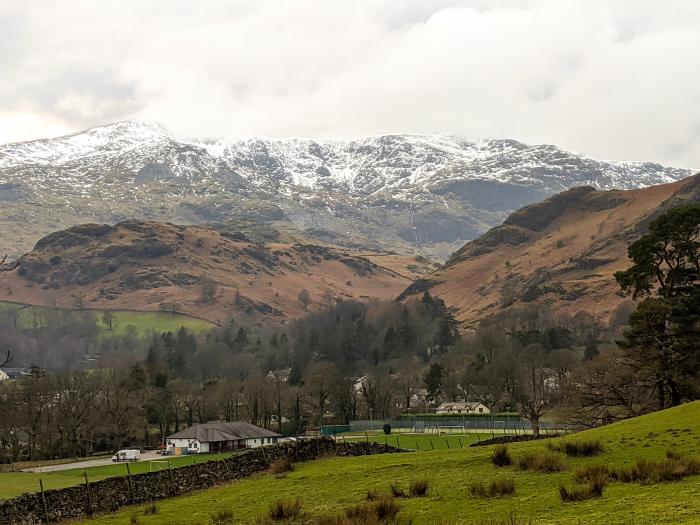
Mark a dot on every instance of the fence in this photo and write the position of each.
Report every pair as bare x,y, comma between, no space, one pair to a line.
108,495
457,424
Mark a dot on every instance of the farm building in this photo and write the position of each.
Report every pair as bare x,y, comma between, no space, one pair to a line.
219,437
462,407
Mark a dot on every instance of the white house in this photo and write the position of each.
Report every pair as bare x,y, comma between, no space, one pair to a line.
219,437
462,407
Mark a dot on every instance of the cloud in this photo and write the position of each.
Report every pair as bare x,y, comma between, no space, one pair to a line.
596,77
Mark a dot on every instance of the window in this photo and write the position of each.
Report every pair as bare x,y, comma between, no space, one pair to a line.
481,409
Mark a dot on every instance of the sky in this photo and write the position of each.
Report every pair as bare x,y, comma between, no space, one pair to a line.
615,79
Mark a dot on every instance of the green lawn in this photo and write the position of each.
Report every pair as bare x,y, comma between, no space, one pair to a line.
156,321
421,442
330,486
142,322
15,483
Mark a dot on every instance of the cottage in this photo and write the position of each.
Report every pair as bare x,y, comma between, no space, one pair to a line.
462,407
219,437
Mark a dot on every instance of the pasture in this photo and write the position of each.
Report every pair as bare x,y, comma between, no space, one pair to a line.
330,487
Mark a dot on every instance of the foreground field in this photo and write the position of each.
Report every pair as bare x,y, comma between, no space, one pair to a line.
16,483
328,487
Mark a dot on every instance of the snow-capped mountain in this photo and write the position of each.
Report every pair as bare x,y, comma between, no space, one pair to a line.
428,193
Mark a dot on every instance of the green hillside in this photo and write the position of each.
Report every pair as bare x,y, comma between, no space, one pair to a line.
328,487
124,320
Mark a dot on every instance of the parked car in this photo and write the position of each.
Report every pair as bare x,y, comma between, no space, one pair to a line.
126,455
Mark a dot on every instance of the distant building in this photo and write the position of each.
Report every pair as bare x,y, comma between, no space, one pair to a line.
15,373
462,407
280,375
419,398
219,437
360,383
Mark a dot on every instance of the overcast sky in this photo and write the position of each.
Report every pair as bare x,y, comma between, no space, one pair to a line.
617,79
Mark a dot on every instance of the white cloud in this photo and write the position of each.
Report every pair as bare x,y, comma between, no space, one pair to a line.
615,79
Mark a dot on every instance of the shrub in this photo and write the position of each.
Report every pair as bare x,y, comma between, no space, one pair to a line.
281,465
418,487
378,511
495,489
575,449
286,509
372,494
591,472
397,491
387,428
592,489
541,462
500,456
647,471
150,509
222,517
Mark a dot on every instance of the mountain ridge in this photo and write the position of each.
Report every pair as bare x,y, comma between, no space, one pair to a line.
412,193
562,252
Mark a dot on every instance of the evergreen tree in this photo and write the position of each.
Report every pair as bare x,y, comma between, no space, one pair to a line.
433,381
664,334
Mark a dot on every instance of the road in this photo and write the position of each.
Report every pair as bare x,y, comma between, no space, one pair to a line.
145,456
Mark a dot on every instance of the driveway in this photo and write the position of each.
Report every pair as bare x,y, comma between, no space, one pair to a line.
145,456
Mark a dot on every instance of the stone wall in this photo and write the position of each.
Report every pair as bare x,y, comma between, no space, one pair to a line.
110,494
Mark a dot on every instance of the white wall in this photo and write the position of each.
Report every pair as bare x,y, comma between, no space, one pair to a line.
254,443
192,446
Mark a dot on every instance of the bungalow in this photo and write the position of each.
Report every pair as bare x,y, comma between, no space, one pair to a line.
219,437
462,407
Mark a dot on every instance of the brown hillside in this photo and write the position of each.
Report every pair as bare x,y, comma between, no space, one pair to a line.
562,251
152,266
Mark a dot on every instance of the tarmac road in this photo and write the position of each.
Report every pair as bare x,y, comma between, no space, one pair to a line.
145,456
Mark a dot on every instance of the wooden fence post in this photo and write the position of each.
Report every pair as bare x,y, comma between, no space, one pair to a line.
43,500
87,491
131,484
172,479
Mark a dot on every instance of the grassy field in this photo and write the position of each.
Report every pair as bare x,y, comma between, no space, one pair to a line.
327,487
421,442
15,483
142,322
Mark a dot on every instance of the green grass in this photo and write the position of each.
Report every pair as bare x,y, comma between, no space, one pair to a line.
421,442
16,483
156,321
142,322
330,486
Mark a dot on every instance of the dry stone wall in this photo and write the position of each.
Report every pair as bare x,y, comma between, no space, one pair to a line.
110,494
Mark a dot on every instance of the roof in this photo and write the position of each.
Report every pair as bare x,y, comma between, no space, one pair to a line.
459,405
218,431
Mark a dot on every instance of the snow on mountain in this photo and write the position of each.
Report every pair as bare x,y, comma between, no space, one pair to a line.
428,193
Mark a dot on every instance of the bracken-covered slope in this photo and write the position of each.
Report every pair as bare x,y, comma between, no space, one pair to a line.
425,194
562,251
211,274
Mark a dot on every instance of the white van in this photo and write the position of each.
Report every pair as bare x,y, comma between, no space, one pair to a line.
127,455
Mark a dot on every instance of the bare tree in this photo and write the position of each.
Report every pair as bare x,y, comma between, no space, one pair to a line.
108,320
304,298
